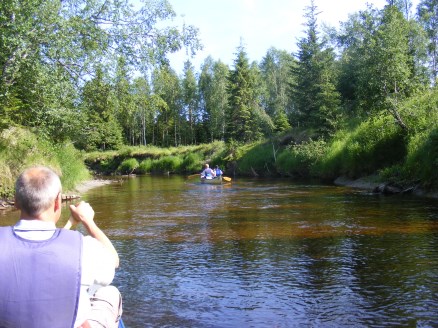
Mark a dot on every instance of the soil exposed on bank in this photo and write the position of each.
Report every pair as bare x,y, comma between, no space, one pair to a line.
90,184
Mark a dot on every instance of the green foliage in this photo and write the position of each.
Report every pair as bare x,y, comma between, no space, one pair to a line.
299,160
213,94
374,144
315,78
421,112
72,166
243,110
166,85
427,11
192,162
258,159
275,68
182,159
6,180
422,160
145,166
167,164
48,48
19,149
128,166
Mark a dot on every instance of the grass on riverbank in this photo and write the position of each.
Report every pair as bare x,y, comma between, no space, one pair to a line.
150,159
20,149
377,146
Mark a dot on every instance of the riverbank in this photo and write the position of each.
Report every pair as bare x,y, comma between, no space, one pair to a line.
371,184
90,184
368,183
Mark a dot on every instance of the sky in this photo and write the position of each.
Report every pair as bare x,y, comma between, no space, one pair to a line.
259,24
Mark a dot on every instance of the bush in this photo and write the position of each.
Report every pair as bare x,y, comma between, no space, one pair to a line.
192,162
258,159
301,159
167,164
145,166
330,165
128,166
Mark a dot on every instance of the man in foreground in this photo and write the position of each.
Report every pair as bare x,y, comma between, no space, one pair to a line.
55,277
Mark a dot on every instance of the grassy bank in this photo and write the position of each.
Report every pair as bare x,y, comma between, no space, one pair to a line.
377,146
20,148
145,160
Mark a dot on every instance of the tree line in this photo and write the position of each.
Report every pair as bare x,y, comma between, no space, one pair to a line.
96,73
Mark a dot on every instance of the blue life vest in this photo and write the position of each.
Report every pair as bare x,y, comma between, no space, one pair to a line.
39,280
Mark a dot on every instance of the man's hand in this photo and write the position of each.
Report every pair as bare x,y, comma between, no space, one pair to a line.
82,212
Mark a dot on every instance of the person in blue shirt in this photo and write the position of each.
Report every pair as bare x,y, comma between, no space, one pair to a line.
218,171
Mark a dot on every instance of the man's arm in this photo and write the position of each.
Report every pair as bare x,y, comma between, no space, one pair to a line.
84,213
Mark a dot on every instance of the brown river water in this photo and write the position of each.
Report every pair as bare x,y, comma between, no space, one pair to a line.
268,253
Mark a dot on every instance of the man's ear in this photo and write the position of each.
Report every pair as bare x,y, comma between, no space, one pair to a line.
58,202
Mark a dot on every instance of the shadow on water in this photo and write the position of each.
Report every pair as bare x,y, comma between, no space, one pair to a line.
269,253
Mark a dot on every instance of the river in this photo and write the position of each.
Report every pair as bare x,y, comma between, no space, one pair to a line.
268,253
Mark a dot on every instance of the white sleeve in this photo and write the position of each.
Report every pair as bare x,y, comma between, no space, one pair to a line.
98,267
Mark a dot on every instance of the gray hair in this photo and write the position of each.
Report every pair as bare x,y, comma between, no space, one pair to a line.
36,189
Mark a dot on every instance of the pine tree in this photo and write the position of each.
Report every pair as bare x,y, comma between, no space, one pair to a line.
103,130
240,125
316,99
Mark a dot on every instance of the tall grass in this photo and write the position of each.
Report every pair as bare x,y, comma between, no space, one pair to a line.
192,162
167,164
73,169
299,160
20,149
374,144
257,159
183,159
422,159
128,166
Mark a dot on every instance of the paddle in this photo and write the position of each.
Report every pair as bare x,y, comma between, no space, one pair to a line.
226,179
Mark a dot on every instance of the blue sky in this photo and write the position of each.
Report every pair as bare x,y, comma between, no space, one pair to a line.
260,24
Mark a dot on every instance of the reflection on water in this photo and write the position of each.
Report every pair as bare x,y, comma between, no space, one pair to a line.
260,253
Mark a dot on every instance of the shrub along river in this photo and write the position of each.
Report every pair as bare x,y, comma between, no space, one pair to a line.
268,253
